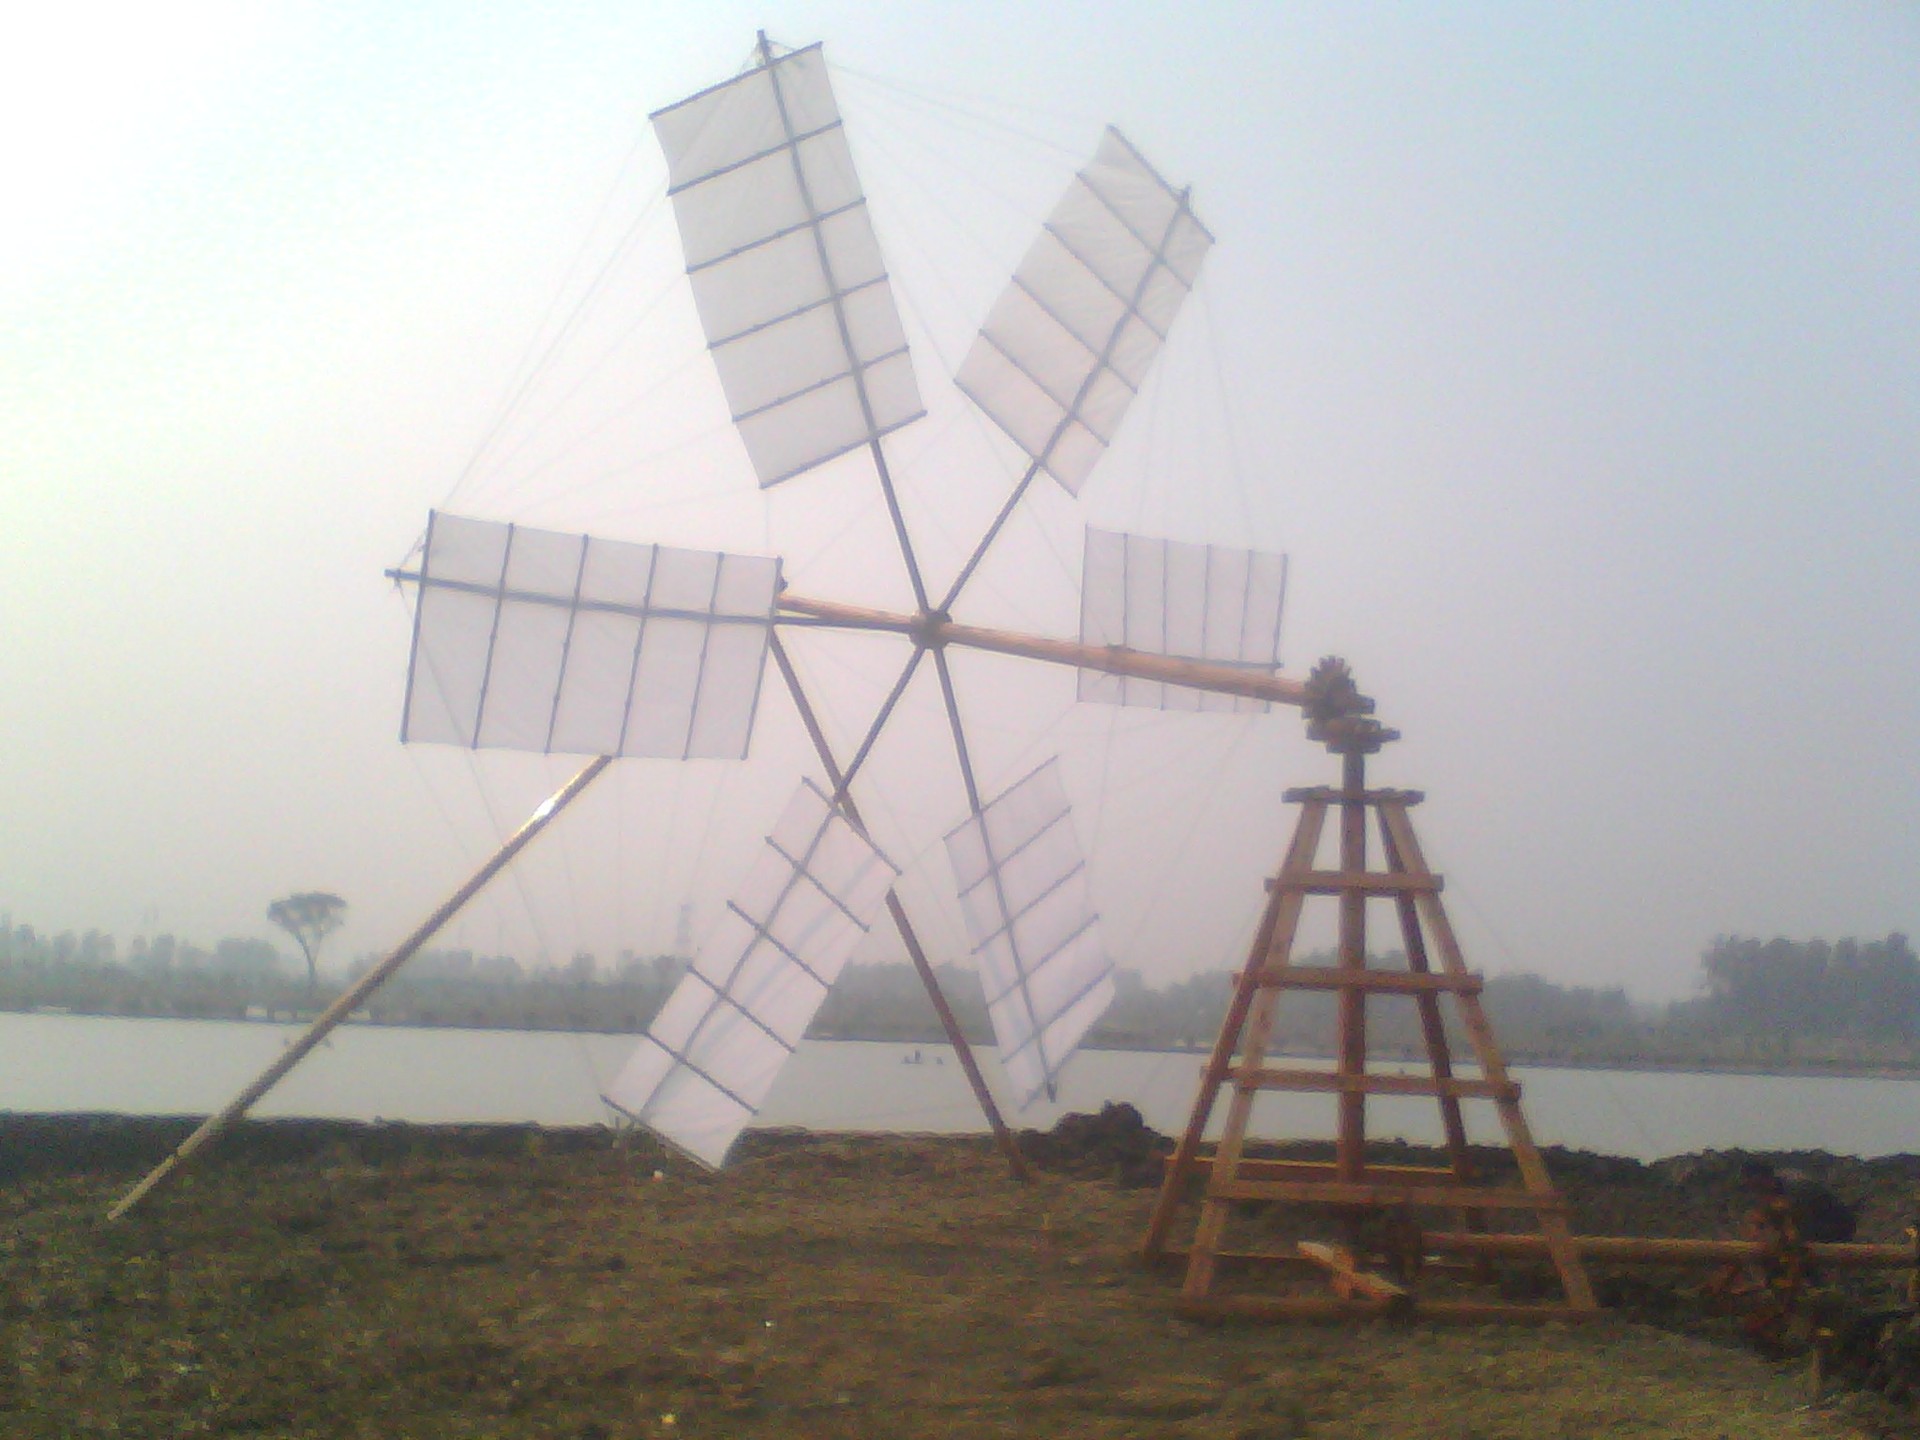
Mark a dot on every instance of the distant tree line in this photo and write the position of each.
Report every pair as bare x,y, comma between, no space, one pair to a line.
1761,1003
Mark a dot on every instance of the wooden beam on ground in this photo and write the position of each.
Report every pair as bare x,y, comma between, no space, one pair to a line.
1663,1250
1344,1192
1345,1275
1302,1307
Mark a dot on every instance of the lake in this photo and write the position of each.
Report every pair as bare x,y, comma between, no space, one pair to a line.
66,1063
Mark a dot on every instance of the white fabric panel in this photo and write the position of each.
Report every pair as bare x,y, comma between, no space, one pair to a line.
532,640
788,276
1023,891
1071,339
1197,602
711,1056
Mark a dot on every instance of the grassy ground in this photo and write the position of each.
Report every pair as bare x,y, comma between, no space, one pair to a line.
404,1284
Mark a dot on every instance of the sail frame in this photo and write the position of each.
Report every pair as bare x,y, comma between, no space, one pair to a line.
711,1055
1071,339
1022,885
552,642
1212,603
788,277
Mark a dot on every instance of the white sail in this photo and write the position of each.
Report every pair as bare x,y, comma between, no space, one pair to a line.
533,640
1197,602
1023,890
1070,341
788,277
711,1055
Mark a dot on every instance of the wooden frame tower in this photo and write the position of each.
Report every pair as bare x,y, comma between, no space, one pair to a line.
1375,1264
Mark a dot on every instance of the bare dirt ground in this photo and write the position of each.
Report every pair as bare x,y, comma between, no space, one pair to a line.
326,1280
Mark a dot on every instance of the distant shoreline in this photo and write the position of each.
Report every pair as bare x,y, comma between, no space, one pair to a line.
1524,1060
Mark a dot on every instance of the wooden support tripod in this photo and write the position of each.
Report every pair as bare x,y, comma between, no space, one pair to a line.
1376,1208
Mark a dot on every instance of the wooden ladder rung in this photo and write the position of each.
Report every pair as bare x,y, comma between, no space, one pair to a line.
1346,1192
1368,882
1316,1170
1389,982
1334,795
1326,1082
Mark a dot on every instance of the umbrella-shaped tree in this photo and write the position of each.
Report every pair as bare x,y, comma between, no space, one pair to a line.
309,917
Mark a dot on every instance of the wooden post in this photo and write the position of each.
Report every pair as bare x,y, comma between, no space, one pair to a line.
1351,1146
356,994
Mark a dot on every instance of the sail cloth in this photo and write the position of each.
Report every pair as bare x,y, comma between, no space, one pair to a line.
1197,602
787,275
1071,339
1023,890
711,1055
533,640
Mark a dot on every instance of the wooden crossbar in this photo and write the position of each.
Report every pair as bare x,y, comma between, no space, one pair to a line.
1359,882
1387,982
1334,795
1377,1196
1330,1083
1319,1169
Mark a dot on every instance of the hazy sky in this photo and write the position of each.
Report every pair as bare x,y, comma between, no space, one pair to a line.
1573,354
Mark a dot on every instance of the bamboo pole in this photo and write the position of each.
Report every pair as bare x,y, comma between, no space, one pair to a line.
935,630
216,1125
909,937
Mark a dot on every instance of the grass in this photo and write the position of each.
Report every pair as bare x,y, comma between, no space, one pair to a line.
411,1283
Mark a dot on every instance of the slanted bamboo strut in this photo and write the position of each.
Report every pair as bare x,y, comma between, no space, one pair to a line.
356,994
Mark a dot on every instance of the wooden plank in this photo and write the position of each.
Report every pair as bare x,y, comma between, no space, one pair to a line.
1334,795
1433,1029
1302,1307
1533,1170
1318,1169
1326,1082
1253,1046
1386,982
1346,1277
1348,1192
1281,917
1355,883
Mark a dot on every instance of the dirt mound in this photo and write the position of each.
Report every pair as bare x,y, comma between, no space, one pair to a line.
1115,1145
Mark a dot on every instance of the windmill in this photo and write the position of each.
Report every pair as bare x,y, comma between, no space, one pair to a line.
535,640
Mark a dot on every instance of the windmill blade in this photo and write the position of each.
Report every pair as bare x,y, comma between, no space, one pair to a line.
1071,339
1023,890
533,640
711,1055
787,275
1193,602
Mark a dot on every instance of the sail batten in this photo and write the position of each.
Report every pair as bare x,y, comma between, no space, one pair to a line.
788,277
